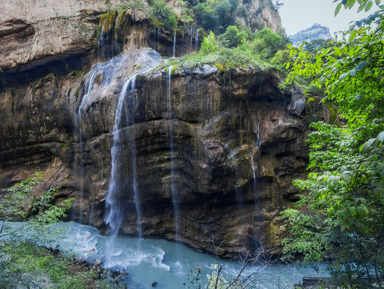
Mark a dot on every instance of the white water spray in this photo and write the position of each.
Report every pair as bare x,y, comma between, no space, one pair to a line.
114,198
191,36
171,139
90,84
174,45
113,203
253,165
197,40
135,188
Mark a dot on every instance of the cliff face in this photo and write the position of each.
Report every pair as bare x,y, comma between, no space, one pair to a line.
34,33
227,187
206,157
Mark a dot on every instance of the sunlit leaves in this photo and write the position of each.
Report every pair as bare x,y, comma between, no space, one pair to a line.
337,10
346,69
345,186
363,4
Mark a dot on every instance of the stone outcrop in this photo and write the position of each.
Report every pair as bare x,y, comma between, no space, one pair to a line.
216,120
237,140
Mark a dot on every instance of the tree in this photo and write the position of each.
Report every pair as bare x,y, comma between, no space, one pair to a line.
266,43
209,44
234,37
341,218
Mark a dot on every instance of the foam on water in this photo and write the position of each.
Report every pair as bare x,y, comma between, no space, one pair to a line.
156,261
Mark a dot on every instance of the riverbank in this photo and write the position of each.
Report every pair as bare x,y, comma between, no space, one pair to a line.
23,265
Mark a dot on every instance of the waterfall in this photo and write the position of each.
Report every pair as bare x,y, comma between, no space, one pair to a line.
197,40
113,203
90,84
191,34
174,45
258,136
171,138
253,165
114,198
131,119
100,42
115,210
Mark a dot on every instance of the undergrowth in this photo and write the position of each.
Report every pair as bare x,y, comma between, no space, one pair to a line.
26,266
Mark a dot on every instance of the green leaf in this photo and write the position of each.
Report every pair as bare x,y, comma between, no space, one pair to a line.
377,2
361,7
337,10
380,137
344,75
350,3
369,6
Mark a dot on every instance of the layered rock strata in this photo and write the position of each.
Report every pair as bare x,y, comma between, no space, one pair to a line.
217,120
237,141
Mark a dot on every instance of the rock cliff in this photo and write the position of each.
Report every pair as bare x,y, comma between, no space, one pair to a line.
220,147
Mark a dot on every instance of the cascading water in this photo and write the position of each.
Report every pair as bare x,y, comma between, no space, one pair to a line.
100,42
253,165
131,119
113,204
191,34
258,136
90,84
171,139
174,45
114,199
197,40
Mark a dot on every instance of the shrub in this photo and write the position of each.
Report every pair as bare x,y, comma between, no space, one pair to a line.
209,44
164,16
233,37
266,43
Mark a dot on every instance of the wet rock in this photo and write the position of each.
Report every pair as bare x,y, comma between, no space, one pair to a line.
298,100
215,130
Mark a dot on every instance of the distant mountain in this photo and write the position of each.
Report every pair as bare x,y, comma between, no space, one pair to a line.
315,32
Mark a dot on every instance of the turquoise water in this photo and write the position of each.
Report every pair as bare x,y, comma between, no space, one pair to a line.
152,260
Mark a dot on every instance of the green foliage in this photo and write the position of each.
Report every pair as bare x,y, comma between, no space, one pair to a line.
209,44
365,5
12,204
215,15
163,16
280,60
341,218
235,52
266,43
186,14
224,58
233,37
19,201
349,71
26,266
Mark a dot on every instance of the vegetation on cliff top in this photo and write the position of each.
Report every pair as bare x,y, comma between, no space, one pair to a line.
341,219
237,48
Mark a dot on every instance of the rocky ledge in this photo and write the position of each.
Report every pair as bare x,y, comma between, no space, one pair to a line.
220,149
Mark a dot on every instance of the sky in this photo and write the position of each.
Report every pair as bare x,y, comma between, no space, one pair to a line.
297,15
